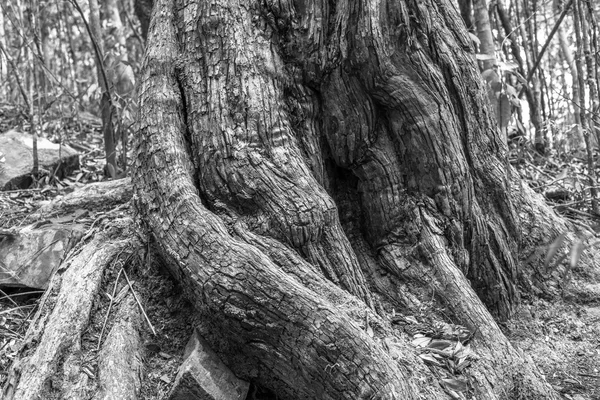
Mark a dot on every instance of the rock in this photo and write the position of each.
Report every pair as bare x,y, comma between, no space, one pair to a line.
17,148
203,376
525,313
593,312
30,255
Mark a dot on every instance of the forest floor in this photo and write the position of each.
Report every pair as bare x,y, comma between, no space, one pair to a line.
563,338
561,334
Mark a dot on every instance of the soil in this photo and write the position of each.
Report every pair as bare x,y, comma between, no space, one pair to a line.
563,339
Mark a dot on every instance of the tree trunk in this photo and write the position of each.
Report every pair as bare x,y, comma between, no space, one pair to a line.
590,73
516,52
313,178
106,107
565,47
70,60
530,45
113,15
5,88
580,32
143,10
46,19
306,168
484,33
466,13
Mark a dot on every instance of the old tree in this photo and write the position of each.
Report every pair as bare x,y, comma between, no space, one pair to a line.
311,172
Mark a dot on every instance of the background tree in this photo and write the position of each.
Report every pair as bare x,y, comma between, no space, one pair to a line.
3,63
106,99
63,58
567,54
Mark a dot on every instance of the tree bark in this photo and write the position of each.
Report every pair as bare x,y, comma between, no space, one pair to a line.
590,72
5,89
466,12
565,47
530,46
51,362
580,33
484,33
516,52
305,168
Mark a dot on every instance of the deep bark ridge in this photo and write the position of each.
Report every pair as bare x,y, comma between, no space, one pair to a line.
303,164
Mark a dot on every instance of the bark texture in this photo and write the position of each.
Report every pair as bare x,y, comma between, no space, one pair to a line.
51,364
95,196
120,366
306,167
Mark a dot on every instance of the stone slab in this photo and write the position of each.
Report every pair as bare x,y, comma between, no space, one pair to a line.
30,255
17,148
203,376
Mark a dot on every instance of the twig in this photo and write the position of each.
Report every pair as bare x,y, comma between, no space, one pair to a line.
5,296
133,29
15,309
553,182
17,77
573,203
112,299
28,315
579,107
15,334
539,170
97,50
589,375
550,36
19,294
582,213
139,304
21,190
39,59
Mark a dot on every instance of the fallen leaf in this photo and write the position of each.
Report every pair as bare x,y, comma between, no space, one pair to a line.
439,344
430,359
458,385
421,341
